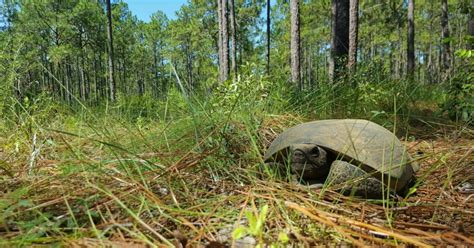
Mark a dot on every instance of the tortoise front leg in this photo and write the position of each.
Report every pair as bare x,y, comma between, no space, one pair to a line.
352,180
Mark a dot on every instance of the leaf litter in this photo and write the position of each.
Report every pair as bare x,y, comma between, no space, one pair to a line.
87,201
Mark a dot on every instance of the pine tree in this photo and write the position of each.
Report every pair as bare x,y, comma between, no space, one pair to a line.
112,85
353,34
411,40
295,43
340,38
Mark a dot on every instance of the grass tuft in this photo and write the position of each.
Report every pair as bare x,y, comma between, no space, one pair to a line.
188,170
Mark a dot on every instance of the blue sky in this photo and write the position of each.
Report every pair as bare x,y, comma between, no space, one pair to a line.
144,8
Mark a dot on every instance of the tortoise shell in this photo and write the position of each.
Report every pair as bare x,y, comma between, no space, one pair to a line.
368,145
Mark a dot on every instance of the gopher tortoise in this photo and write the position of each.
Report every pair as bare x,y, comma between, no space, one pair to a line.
357,157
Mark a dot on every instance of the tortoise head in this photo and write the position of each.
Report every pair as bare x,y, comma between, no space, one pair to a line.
309,161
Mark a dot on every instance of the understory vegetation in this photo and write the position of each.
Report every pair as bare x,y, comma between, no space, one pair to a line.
188,169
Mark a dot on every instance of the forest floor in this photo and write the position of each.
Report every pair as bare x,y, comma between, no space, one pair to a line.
80,191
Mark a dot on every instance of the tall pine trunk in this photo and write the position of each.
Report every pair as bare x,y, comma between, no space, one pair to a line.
220,42
68,76
340,38
80,84
112,86
411,40
470,31
268,37
224,44
295,43
445,38
353,33
233,31
156,91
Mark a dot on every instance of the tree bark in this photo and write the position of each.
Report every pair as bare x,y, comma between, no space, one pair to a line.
411,40
219,45
86,79
68,76
470,31
268,37
429,66
233,31
156,79
81,82
310,67
189,67
445,37
224,45
340,38
295,43
112,86
353,34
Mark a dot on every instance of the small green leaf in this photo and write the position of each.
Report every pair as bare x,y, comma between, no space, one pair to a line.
18,193
411,191
252,220
25,203
261,218
283,237
239,232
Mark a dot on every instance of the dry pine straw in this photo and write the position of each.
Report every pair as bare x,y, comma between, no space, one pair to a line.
197,207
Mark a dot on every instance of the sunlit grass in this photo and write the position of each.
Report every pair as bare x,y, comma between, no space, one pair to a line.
155,171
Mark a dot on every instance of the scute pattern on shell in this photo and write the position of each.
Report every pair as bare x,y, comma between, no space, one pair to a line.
364,143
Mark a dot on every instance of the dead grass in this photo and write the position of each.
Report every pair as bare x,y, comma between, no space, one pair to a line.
83,195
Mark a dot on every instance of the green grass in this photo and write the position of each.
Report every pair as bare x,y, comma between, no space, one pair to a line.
152,171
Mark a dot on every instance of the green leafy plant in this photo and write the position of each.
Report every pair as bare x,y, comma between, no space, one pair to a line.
459,104
255,227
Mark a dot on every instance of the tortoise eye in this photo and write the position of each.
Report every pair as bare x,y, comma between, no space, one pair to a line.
298,153
315,152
